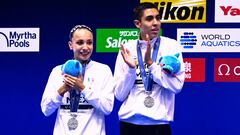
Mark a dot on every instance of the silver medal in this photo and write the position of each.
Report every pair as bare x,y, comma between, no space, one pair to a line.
149,102
72,123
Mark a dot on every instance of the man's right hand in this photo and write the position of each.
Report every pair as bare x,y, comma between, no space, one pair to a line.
127,57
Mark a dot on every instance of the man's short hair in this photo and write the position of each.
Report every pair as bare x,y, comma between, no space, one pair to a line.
138,11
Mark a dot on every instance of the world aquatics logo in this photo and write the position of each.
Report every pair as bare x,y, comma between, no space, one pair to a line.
188,40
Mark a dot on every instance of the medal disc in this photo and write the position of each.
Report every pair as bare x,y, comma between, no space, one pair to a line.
72,123
149,102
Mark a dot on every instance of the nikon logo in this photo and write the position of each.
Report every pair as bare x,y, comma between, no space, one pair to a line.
181,11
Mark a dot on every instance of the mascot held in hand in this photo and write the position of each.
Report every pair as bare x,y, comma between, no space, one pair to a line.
170,64
72,67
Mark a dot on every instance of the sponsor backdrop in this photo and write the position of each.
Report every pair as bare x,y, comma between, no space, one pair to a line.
34,36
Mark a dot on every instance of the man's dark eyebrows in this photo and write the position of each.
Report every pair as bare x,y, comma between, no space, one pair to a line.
153,16
158,15
149,17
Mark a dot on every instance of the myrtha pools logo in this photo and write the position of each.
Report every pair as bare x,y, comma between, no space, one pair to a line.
19,39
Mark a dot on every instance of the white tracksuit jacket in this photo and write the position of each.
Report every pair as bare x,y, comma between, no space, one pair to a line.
98,92
133,94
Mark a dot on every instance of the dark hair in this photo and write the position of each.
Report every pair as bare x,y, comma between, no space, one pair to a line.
78,27
138,11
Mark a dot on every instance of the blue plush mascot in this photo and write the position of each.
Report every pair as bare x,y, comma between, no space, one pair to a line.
72,67
170,64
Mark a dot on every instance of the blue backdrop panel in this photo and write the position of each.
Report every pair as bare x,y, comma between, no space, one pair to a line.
207,108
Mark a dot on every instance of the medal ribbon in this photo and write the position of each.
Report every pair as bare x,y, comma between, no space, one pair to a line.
147,79
75,94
